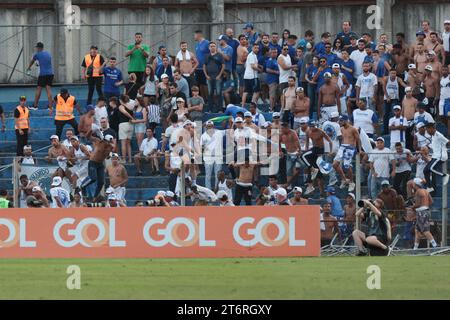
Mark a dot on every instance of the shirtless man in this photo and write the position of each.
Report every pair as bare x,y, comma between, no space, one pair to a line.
420,58
434,63
248,122
310,157
186,62
431,86
413,78
40,196
26,189
437,47
288,98
409,104
79,155
420,37
96,168
242,53
400,59
350,211
297,199
422,205
289,141
60,153
86,121
347,150
118,177
244,184
330,225
328,101
301,107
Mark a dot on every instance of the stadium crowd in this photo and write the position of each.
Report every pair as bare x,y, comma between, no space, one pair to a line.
328,99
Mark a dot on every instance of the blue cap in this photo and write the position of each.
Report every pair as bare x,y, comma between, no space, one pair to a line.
221,37
330,189
343,117
90,107
248,25
312,123
420,33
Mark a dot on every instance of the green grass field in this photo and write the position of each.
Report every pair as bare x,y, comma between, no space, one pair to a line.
282,278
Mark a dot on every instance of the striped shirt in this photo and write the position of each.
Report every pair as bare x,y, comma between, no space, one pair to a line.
154,113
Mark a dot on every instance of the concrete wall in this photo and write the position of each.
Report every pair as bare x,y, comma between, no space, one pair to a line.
112,40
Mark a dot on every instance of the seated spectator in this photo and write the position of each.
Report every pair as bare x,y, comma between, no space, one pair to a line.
148,152
27,157
223,199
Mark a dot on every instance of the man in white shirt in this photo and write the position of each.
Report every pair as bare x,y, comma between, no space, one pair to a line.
365,119
421,137
285,67
212,144
438,157
251,79
67,142
397,127
100,110
148,151
200,195
171,133
379,160
258,118
446,41
421,115
358,57
444,99
60,196
366,87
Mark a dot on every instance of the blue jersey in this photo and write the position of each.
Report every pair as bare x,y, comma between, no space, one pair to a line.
201,50
336,206
229,52
348,64
233,110
273,65
233,43
331,58
45,63
276,46
112,75
321,79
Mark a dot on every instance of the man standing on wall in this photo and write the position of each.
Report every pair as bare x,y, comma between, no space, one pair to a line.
45,79
92,70
138,53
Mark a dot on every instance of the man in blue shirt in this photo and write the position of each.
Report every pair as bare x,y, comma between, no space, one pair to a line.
113,80
330,56
233,43
272,75
319,48
45,78
292,42
227,52
336,206
309,37
319,77
347,66
252,35
345,34
274,42
201,51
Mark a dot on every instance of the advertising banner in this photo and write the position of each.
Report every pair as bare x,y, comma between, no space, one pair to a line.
151,232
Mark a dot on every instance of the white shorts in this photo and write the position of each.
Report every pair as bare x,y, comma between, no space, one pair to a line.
326,111
81,171
345,155
120,193
125,131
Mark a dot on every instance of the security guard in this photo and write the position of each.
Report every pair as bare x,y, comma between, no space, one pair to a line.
64,111
21,124
92,68
4,203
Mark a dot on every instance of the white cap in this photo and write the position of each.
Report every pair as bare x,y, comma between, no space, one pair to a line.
298,189
385,182
209,122
411,66
304,120
446,21
170,194
36,189
299,89
74,138
187,122
161,193
26,147
408,89
247,114
113,155
428,67
418,181
334,114
327,75
396,107
109,190
336,65
351,195
109,137
420,125
281,191
308,45
276,114
56,181
267,124
238,119
164,76
180,99
220,194
54,137
431,52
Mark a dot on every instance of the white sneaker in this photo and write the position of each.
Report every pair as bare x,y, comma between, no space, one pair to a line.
445,179
351,186
314,173
332,182
343,184
309,189
430,189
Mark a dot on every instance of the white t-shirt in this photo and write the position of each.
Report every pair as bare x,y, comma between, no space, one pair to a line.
63,196
148,145
205,194
367,84
364,119
171,134
397,135
439,146
242,137
423,117
381,160
333,130
358,58
259,119
100,113
445,88
250,73
402,163
213,146
423,140
285,74
446,40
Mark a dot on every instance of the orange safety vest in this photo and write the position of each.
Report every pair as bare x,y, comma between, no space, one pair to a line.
64,109
96,64
22,120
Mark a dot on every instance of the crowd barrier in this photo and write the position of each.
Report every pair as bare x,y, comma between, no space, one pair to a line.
206,232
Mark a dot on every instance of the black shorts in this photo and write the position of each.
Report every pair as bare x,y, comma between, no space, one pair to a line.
200,78
44,81
252,85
